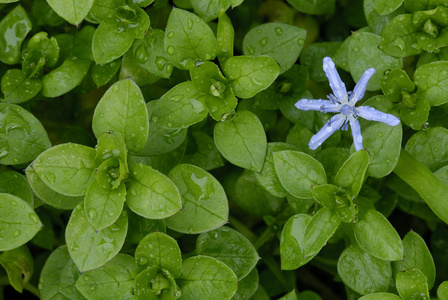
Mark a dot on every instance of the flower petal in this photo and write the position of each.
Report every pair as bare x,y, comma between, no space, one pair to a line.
360,88
336,83
332,125
356,133
369,113
318,104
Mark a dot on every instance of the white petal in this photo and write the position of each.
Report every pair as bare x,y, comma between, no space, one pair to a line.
356,133
318,104
336,83
369,113
360,88
332,125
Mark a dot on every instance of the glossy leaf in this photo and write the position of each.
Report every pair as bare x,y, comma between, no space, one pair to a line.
20,224
432,82
14,183
378,237
188,39
180,107
116,278
411,284
204,276
207,155
225,38
247,286
17,88
298,172
18,264
249,75
313,7
210,10
230,247
160,251
13,30
66,168
416,256
364,273
242,140
153,283
103,73
282,42
65,78
399,37
90,248
59,276
73,11
23,136
352,173
204,201
380,296
383,7
122,110
151,194
394,82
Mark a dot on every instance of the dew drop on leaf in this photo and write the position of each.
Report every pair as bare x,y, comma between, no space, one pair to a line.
92,213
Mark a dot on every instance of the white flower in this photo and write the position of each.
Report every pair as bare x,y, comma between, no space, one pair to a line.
344,103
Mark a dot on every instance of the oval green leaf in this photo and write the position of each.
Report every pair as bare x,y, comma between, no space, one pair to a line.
291,242
205,205
90,248
152,194
432,82
17,88
412,284
19,225
73,11
14,183
122,110
399,37
242,140
352,173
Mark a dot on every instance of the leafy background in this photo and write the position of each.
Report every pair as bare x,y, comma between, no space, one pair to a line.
151,149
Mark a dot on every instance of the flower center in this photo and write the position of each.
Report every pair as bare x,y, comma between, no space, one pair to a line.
346,109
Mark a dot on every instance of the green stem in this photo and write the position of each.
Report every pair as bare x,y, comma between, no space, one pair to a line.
430,188
252,237
267,235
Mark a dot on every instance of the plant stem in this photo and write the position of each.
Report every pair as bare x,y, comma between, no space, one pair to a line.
266,236
421,179
252,237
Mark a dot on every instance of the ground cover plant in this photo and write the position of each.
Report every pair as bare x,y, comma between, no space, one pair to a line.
190,149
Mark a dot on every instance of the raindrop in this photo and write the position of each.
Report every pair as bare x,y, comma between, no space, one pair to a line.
263,41
170,50
115,88
169,124
171,34
250,49
86,278
34,217
92,213
141,54
161,62
16,233
190,24
278,31
143,261
387,161
92,288
301,42
13,203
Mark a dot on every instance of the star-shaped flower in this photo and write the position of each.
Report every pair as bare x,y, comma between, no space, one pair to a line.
344,103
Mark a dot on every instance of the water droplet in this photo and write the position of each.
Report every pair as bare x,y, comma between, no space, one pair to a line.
387,161
13,203
141,54
278,31
86,278
301,42
92,213
169,124
171,34
380,134
161,62
133,192
250,49
263,41
34,217
170,50
16,233
115,88
190,24
356,49
143,261
198,63
92,288
259,31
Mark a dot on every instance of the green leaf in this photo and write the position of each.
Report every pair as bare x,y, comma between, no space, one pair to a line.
115,278
416,256
210,10
188,39
59,276
231,247
442,290
153,283
268,177
13,30
394,83
66,168
205,205
364,54
282,42
150,53
48,195
250,75
325,194
312,58
161,251
225,38
417,114
103,206
377,22
206,277
139,227
415,5
432,82
122,110
381,296
412,284
247,286
19,225
90,248
180,107
14,183
298,172
430,147
378,237
65,78
103,73
151,194
110,145
17,88
384,7
352,173
313,7
23,137
207,155
364,273
242,140
253,198
73,11
103,11
399,37
19,266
